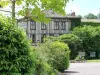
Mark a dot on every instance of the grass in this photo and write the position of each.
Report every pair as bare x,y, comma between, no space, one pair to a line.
94,60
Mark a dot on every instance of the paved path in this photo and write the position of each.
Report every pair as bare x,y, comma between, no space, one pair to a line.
83,69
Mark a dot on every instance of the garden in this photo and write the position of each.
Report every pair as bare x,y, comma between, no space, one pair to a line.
51,57
18,57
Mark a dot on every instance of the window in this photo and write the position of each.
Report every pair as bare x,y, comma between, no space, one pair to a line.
32,25
43,26
42,37
33,38
63,25
51,34
56,25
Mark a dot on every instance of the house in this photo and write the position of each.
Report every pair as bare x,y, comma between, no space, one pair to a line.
38,30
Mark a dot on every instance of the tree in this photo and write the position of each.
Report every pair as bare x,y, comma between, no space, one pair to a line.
90,16
98,15
80,16
35,7
90,37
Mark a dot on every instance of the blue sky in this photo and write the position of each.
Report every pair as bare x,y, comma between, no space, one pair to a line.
83,7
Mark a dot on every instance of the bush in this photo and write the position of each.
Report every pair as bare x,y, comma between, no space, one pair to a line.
90,37
15,50
94,24
74,43
60,56
42,65
55,55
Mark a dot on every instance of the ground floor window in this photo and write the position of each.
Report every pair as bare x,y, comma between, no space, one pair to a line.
33,36
42,37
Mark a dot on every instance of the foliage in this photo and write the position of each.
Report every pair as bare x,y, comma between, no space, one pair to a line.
15,50
98,15
90,16
74,43
42,66
34,8
78,58
75,22
90,37
60,54
55,55
90,24
80,16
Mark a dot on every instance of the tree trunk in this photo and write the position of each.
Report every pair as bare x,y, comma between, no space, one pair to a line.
13,10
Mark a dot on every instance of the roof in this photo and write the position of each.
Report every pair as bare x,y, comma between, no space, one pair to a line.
51,14
91,20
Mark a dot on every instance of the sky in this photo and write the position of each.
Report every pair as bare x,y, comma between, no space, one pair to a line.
83,7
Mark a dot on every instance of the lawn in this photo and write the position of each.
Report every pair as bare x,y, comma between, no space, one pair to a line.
96,60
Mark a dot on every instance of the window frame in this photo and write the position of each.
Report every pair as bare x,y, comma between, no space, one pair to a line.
56,25
43,26
63,25
34,24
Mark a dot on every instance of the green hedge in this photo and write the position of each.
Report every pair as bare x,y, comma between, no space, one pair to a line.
54,58
60,56
91,39
74,43
15,56
42,65
90,24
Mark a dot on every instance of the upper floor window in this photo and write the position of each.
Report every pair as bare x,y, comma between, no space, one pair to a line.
63,25
43,26
56,25
32,25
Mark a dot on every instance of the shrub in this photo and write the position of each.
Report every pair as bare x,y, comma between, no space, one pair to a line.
90,37
15,50
60,56
42,65
74,43
53,54
94,24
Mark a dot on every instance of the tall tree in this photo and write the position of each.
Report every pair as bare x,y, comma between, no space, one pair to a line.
35,7
80,16
90,16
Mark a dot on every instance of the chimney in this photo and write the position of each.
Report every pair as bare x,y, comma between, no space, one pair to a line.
73,14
